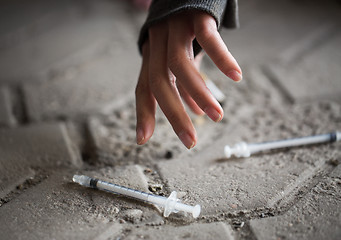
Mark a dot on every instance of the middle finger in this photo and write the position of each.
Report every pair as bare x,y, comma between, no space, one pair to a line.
162,83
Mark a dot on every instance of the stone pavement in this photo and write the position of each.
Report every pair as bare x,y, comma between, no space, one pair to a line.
68,72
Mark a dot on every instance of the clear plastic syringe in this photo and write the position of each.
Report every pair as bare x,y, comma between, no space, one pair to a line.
243,149
170,204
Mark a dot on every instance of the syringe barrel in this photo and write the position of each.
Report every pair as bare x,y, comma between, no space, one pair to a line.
122,190
114,188
170,204
158,200
291,142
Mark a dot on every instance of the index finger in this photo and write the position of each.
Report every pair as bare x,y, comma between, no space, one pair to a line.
207,35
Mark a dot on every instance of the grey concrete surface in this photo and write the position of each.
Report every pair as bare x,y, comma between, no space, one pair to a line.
316,216
25,150
7,118
68,70
241,186
195,231
272,28
51,211
325,60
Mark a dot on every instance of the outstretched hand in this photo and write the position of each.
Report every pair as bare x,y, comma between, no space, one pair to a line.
169,73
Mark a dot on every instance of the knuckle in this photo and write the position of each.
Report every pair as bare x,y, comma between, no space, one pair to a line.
172,79
206,30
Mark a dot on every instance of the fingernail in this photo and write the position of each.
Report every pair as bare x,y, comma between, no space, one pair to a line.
235,76
139,136
187,140
213,114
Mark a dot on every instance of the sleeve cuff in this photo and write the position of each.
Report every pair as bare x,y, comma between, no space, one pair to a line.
161,9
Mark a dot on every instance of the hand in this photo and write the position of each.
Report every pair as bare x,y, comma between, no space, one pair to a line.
169,72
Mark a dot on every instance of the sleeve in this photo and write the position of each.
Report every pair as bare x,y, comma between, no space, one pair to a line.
225,12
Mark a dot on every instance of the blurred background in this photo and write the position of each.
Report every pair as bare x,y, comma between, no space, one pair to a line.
67,58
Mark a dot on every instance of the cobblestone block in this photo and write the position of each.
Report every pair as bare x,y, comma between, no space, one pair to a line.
78,27
256,89
113,138
26,149
90,78
84,89
113,133
315,216
16,15
272,31
315,75
261,182
7,118
59,209
198,231
337,171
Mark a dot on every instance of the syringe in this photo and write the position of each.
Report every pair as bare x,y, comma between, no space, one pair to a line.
170,204
243,149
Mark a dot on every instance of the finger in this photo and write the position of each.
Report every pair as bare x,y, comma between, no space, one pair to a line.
180,60
189,100
145,102
207,35
163,86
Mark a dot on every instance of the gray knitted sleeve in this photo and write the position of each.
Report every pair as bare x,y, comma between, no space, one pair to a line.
225,12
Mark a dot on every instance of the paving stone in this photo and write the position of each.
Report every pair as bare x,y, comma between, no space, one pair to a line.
92,78
113,133
27,149
69,67
113,138
17,14
315,216
56,208
337,171
255,89
7,118
259,183
268,28
20,22
59,209
318,67
85,89
77,29
217,230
